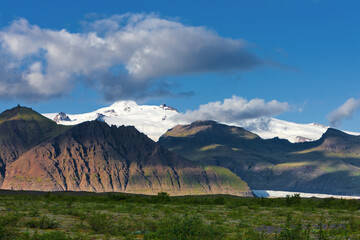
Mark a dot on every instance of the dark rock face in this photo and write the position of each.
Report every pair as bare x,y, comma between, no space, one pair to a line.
335,141
61,117
100,117
328,165
93,156
165,107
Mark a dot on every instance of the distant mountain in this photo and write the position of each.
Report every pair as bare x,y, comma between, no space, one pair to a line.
328,165
93,156
151,120
154,121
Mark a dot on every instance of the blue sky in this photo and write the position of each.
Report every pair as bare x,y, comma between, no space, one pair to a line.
309,52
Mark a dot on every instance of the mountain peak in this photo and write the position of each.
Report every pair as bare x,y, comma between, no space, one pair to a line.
336,141
204,122
61,116
189,130
21,113
206,127
332,132
169,108
128,103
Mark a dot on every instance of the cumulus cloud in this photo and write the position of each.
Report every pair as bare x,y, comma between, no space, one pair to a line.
123,56
236,109
345,111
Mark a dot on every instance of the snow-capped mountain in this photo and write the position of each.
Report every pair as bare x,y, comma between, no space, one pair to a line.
294,132
154,121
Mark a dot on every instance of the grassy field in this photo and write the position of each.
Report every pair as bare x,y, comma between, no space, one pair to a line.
119,216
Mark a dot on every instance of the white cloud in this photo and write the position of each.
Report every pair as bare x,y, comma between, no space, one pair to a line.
124,55
345,111
236,109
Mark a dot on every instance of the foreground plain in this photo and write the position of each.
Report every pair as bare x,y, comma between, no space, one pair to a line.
124,216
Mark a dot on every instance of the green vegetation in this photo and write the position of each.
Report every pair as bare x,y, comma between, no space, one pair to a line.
20,113
227,178
124,216
179,132
25,128
210,147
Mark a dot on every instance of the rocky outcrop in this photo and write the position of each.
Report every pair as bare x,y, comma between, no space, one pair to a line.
61,116
169,108
100,117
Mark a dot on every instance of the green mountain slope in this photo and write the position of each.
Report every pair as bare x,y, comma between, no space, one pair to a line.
329,165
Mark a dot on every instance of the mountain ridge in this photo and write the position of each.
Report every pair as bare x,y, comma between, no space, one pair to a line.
154,121
328,165
94,156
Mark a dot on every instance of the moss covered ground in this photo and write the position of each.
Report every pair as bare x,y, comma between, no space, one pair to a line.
120,216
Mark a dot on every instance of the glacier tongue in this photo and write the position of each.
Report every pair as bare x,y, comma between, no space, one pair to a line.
154,121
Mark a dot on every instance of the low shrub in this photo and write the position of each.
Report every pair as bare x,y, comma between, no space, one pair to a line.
186,227
101,223
163,197
56,235
42,223
294,230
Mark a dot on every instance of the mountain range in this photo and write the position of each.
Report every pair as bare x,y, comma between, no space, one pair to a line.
38,154
328,165
154,121
96,152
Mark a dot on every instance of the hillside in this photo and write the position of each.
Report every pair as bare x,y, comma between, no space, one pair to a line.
22,128
328,165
